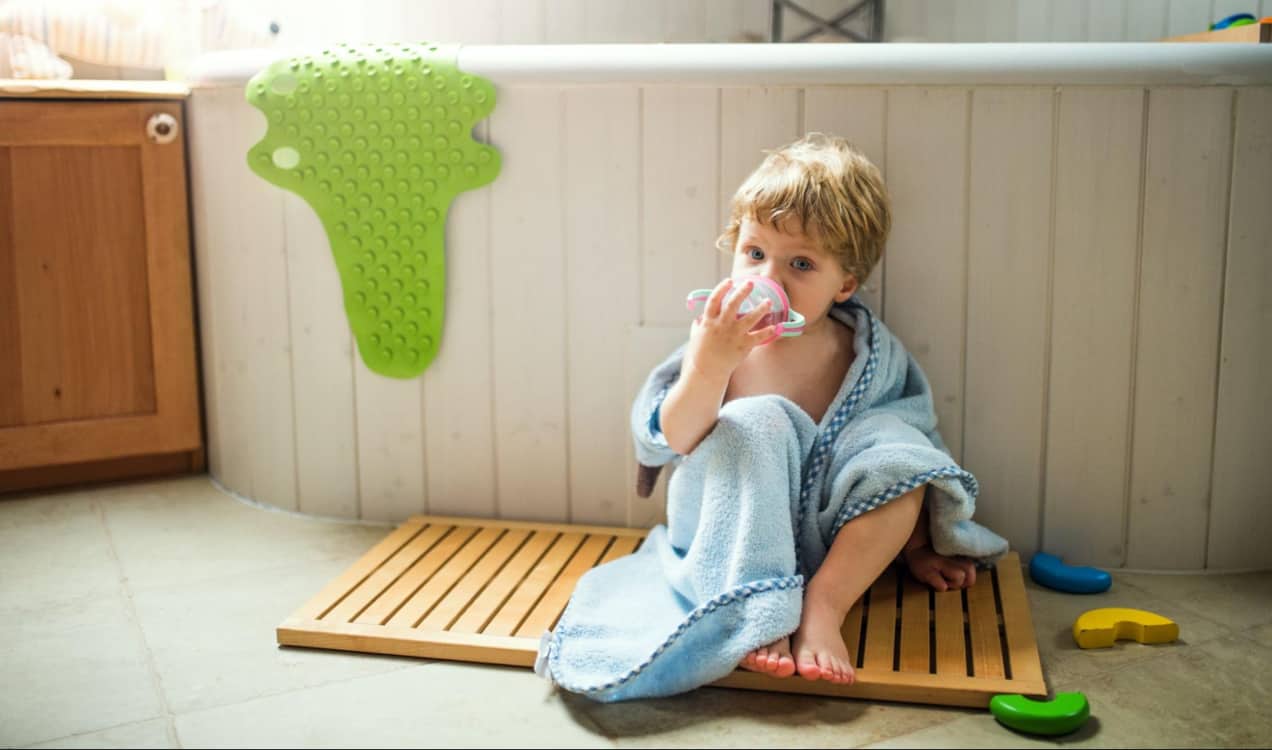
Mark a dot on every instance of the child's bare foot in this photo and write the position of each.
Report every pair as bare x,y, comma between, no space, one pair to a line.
774,659
938,571
820,653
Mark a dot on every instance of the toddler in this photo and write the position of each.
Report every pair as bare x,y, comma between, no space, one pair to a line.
805,466
813,218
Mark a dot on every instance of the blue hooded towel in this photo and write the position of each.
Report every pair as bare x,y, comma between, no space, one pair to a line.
751,512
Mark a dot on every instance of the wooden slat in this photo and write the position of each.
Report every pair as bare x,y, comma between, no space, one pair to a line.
474,581
891,686
621,547
391,601
523,599
384,576
951,651
982,624
1018,629
331,594
440,582
851,632
492,597
881,623
502,523
545,613
915,626
390,427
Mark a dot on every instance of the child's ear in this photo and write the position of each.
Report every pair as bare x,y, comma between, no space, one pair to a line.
848,288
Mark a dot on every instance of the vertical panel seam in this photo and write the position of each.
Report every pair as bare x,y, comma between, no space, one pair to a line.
1048,321
291,367
563,199
883,125
968,99
490,334
1223,288
1129,463
640,206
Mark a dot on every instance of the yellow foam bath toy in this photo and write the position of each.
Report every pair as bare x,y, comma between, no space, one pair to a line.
1099,628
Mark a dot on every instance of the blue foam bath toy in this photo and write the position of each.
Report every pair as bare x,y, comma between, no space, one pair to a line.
1050,571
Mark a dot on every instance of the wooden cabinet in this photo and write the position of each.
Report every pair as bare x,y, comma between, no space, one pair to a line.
98,375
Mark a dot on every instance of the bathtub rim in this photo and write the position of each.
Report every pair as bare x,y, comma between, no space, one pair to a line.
1078,63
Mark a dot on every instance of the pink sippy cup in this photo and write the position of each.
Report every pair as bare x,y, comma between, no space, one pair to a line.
789,323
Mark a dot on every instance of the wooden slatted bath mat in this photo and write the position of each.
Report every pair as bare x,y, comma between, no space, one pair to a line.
484,591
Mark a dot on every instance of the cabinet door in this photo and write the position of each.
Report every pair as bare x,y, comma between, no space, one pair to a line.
97,357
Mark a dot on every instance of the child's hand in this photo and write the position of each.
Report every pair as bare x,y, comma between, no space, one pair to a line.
720,340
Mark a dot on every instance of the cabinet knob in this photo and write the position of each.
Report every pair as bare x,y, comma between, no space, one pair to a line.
161,128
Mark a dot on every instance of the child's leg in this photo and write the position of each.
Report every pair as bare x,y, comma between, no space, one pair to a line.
862,549
938,571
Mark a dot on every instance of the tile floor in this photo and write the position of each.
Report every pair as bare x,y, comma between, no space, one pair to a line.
143,615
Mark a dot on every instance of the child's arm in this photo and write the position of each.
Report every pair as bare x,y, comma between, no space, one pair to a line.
718,343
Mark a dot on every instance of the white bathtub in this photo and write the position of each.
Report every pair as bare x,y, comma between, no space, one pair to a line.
1081,261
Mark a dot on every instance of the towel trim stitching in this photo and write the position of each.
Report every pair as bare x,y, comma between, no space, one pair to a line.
729,597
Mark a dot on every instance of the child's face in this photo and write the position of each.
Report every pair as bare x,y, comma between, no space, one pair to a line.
813,280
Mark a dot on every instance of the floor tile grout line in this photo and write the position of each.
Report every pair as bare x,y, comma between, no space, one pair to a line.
151,666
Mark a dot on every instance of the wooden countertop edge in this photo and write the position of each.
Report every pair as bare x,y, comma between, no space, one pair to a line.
11,88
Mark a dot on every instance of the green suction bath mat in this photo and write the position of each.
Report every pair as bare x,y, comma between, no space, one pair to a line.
377,139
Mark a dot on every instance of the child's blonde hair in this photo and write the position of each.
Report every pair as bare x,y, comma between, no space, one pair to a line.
830,188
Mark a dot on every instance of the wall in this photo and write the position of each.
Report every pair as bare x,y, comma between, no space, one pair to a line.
1082,270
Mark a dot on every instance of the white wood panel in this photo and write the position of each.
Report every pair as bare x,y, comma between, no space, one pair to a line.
322,358
985,21
458,410
1241,500
602,244
686,21
472,22
624,22
249,319
939,20
1097,214
682,216
1009,249
752,121
212,184
565,21
1146,20
1187,17
1033,21
1106,21
521,22
737,20
1068,21
905,21
1185,213
528,305
924,293
390,445
645,348
858,115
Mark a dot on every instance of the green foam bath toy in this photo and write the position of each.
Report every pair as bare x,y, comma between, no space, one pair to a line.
377,139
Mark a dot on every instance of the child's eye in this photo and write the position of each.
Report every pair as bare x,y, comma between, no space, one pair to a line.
802,264
754,253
